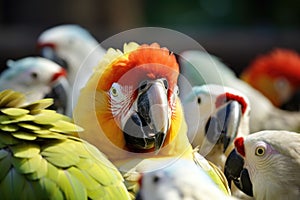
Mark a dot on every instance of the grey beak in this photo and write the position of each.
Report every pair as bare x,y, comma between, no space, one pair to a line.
60,93
49,53
148,127
222,127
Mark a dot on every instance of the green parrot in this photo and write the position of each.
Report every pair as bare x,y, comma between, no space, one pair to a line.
41,158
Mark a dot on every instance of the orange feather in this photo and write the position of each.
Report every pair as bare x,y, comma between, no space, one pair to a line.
279,62
146,62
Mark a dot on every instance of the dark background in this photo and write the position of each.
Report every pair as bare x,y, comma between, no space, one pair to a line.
235,30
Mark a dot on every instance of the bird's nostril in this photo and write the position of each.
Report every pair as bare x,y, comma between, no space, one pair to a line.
166,84
143,85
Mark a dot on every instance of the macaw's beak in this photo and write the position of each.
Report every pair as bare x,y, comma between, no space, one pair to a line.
47,50
234,171
148,125
222,126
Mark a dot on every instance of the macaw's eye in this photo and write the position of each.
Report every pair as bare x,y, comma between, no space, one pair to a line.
260,151
114,90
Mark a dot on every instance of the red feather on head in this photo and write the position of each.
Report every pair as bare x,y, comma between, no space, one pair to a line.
223,98
145,63
239,145
279,62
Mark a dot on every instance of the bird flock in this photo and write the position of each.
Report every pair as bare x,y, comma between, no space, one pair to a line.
79,121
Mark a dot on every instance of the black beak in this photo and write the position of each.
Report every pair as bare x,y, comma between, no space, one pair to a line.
147,127
235,171
49,53
138,196
222,127
59,92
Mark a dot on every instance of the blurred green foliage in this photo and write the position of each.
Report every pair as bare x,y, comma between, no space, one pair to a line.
211,13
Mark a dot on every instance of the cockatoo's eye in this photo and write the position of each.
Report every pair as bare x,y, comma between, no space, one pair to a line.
155,179
34,75
199,100
260,151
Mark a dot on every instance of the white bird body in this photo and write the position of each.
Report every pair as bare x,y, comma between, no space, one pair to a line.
33,76
200,105
78,48
202,68
180,179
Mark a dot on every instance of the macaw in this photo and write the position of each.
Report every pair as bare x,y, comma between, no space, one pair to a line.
40,157
269,164
130,110
37,77
223,114
77,47
276,75
202,68
175,182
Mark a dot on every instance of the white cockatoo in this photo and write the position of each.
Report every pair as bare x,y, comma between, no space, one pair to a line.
35,77
271,161
200,68
222,114
78,48
179,180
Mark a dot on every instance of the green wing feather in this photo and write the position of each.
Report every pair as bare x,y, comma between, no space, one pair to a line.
41,157
213,171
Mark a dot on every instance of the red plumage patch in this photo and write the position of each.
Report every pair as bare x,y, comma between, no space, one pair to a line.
61,73
239,145
140,180
223,98
147,62
279,62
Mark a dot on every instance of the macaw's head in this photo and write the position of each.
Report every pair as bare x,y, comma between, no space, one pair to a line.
276,75
140,90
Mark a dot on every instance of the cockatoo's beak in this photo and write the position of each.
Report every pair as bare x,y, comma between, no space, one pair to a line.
138,196
47,50
147,127
222,126
60,93
234,171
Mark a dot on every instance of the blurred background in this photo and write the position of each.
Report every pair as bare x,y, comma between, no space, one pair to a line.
235,30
